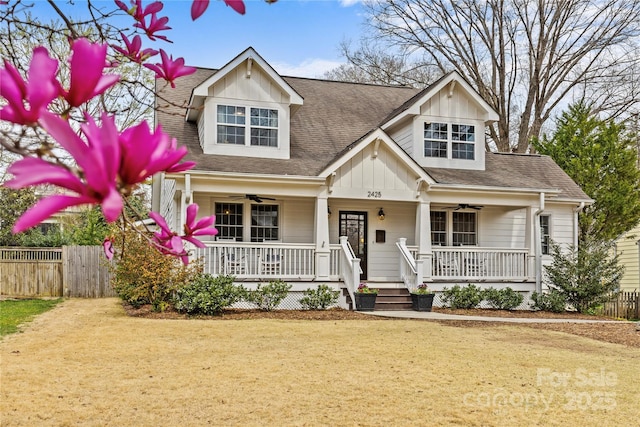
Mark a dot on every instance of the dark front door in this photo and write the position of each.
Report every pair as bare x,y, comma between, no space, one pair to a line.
354,226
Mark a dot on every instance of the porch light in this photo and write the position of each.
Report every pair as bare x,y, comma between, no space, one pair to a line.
329,211
381,215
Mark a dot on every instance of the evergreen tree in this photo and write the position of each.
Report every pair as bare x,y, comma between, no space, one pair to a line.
599,155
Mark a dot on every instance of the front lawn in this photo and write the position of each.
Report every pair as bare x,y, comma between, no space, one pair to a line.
13,313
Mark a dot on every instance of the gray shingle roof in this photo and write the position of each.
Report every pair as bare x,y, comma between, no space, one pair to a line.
334,116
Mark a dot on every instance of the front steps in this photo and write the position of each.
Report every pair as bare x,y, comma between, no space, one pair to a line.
388,299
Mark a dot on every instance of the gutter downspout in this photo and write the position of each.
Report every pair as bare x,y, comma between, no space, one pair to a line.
538,244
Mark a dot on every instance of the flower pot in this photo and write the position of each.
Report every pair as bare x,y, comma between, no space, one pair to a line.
422,302
365,302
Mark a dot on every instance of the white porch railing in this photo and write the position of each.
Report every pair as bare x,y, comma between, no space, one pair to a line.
350,269
480,264
411,269
259,260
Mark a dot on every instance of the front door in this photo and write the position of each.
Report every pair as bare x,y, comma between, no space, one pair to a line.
354,226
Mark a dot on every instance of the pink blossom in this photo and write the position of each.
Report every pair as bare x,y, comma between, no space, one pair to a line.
156,24
133,51
237,5
168,241
98,160
170,69
137,11
40,89
87,80
107,246
198,7
200,228
144,154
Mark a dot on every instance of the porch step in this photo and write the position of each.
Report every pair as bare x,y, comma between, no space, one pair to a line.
388,299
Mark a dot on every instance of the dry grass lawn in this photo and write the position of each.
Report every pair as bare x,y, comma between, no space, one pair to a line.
86,363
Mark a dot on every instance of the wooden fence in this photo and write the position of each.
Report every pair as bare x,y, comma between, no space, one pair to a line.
70,271
624,305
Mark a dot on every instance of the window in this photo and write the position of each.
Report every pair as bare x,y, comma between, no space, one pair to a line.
437,139
229,221
438,228
463,145
545,233
264,223
464,228
232,127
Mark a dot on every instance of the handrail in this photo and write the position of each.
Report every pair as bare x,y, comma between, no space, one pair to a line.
351,269
410,269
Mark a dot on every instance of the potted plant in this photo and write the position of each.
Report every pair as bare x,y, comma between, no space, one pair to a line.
365,298
422,298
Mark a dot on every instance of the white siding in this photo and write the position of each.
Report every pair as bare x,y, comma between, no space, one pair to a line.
502,228
297,221
404,138
201,130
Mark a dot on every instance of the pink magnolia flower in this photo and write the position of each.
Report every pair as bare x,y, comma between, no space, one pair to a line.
137,11
144,154
98,160
156,24
200,228
170,69
107,246
237,5
168,241
133,51
39,90
198,7
87,63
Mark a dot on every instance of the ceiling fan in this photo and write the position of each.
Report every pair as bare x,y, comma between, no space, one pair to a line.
253,197
465,206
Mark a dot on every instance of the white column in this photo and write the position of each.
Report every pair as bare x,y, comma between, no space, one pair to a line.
423,238
322,238
529,240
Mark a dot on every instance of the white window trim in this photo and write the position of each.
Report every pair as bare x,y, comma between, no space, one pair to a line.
450,141
550,234
246,216
478,163
247,125
449,226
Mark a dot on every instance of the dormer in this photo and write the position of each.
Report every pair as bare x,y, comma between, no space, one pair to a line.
244,109
444,125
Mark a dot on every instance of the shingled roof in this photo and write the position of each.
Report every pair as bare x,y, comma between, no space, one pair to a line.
333,117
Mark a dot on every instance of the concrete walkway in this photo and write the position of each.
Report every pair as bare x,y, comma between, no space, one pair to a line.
431,315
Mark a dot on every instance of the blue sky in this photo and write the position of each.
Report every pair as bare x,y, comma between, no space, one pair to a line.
297,37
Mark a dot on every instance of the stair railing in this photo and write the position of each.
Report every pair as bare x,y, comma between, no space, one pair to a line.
350,269
411,269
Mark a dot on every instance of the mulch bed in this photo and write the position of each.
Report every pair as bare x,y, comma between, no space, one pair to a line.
624,333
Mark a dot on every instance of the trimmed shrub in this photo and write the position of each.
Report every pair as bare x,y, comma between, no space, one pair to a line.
503,299
320,298
208,295
269,296
554,301
459,297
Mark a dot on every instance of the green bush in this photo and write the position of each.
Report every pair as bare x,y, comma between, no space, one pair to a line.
268,297
459,297
503,299
208,295
554,301
320,298
142,275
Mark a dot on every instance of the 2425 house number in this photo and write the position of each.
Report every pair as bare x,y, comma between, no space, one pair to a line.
374,194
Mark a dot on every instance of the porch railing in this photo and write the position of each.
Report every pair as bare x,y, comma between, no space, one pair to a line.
411,269
480,264
259,260
350,269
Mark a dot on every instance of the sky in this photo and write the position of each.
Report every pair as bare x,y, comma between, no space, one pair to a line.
296,37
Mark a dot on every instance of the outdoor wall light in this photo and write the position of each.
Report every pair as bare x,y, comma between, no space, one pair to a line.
329,211
381,215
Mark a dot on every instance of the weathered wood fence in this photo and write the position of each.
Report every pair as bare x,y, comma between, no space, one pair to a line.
624,305
70,271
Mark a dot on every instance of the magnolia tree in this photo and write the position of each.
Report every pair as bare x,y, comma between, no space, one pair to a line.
55,117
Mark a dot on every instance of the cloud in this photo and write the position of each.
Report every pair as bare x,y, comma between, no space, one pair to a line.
347,3
313,68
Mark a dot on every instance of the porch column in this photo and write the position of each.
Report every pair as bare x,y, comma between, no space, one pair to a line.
423,238
322,256
530,241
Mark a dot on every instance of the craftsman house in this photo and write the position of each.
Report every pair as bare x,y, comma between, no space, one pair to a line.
324,182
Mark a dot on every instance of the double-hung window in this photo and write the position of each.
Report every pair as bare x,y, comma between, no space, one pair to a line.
229,221
264,223
545,233
438,137
262,129
454,228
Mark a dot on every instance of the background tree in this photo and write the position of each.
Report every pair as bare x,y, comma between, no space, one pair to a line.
524,57
600,156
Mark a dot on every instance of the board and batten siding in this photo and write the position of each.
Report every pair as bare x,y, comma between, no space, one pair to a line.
627,249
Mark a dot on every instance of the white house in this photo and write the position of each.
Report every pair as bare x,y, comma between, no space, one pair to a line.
316,181
628,250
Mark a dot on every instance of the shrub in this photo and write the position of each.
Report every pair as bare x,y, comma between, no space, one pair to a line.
143,275
503,299
459,297
320,298
553,301
208,295
585,275
268,297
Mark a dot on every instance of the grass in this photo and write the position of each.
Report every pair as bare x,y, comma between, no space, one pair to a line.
14,313
88,364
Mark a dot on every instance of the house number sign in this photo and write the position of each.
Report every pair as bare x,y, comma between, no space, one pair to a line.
374,194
